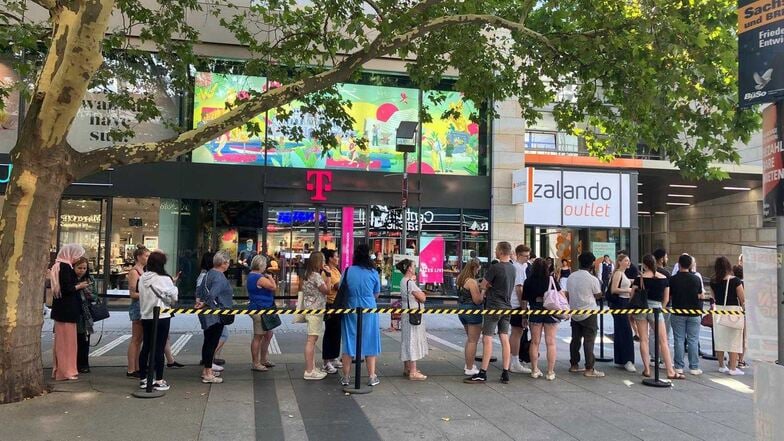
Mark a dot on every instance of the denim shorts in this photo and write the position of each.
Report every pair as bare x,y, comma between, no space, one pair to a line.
650,316
135,311
470,319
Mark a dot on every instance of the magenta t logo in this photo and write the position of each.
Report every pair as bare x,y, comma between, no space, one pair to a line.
319,182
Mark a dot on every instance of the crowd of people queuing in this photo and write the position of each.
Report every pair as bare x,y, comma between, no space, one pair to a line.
515,280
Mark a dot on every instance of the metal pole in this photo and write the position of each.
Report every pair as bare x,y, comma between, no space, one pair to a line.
601,357
149,392
358,389
780,283
655,381
404,204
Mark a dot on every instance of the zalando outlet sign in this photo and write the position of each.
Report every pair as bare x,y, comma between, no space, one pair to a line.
579,199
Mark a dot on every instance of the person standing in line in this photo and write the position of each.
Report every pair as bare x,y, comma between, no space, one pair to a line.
662,259
499,285
536,285
730,295
364,285
685,290
330,347
140,255
607,270
66,310
314,296
658,287
583,290
621,291
413,344
632,273
519,322
261,293
213,292
471,297
84,326
564,272
156,289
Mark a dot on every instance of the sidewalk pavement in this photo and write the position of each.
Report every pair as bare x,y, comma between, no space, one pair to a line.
279,404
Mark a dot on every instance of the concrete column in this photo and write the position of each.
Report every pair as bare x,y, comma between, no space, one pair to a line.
508,155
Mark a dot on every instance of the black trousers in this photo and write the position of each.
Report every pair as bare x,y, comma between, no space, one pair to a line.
82,351
330,347
158,346
211,339
583,334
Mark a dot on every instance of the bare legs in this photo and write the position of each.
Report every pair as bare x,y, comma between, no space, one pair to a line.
310,352
734,358
550,331
472,340
135,346
664,349
370,361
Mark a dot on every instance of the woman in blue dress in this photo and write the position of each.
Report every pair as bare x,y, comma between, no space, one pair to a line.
364,286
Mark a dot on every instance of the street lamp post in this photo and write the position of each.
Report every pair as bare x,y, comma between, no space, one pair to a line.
405,142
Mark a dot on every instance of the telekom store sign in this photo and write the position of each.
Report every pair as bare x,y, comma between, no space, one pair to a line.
579,199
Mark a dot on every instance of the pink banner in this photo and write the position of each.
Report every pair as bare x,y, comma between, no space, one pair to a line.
431,260
347,238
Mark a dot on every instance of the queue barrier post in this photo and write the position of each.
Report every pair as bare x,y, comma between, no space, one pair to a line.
656,381
712,356
149,392
358,388
601,358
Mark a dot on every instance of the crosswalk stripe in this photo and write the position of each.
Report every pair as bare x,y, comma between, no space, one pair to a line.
180,343
274,347
444,342
111,345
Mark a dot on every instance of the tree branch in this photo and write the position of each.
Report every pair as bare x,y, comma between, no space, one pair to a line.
46,4
102,159
376,8
528,6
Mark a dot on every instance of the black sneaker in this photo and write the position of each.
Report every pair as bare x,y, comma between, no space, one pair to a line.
134,374
175,365
480,377
505,377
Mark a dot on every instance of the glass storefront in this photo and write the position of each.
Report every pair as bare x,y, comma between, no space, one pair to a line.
569,243
82,221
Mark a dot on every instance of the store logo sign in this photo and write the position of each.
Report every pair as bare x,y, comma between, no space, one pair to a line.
320,183
5,177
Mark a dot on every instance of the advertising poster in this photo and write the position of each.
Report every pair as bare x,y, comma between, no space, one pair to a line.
772,164
211,94
760,51
9,113
759,278
397,276
377,111
431,259
450,145
600,249
346,238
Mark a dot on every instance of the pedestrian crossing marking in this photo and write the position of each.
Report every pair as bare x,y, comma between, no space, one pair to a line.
111,345
178,345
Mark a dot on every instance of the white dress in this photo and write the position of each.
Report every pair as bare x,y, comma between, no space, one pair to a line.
413,344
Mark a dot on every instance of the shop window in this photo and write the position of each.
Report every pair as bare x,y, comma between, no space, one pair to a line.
135,222
476,235
240,234
82,221
440,238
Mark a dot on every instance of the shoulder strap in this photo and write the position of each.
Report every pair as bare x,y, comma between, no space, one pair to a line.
727,292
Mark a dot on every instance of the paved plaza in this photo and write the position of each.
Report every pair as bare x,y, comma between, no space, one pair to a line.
280,405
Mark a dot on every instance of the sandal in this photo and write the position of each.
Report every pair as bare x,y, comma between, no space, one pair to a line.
677,376
646,374
417,376
259,368
268,364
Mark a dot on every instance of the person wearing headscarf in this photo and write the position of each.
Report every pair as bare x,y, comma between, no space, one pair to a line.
66,310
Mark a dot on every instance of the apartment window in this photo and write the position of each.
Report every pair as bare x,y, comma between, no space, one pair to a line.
540,141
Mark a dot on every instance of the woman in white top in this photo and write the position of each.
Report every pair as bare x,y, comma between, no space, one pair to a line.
156,289
413,344
620,292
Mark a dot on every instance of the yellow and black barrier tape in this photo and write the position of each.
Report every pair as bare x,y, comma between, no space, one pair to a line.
447,311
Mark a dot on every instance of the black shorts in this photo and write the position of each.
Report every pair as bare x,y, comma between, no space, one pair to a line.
517,320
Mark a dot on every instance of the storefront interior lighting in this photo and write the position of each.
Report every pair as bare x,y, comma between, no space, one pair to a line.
639,194
644,212
678,204
682,186
681,195
737,188
661,212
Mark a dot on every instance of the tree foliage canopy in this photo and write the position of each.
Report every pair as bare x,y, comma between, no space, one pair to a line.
619,72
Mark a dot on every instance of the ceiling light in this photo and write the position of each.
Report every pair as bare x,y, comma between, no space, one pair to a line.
682,186
639,194
681,195
737,188
678,203
639,184
643,212
639,202
661,212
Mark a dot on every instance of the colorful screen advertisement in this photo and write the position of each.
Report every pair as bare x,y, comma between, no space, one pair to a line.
211,95
450,144
431,259
376,111
9,110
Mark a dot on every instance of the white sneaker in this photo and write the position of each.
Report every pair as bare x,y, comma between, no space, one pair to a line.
550,376
516,367
315,374
337,363
212,380
695,371
161,385
536,374
724,370
374,381
678,371
216,368
629,366
526,367
471,372
736,372
329,368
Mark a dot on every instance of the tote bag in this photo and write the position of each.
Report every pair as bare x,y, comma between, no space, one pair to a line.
728,321
555,301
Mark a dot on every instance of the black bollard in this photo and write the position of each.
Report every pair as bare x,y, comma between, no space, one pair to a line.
601,358
655,381
358,388
149,392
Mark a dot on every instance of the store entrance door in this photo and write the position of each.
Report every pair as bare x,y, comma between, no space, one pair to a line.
292,234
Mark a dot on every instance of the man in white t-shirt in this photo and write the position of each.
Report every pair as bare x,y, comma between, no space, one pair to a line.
519,322
584,289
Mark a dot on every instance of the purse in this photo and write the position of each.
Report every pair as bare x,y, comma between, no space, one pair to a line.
414,318
98,310
707,319
341,298
270,322
300,318
728,321
640,298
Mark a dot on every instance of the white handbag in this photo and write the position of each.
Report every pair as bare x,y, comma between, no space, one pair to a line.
728,321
